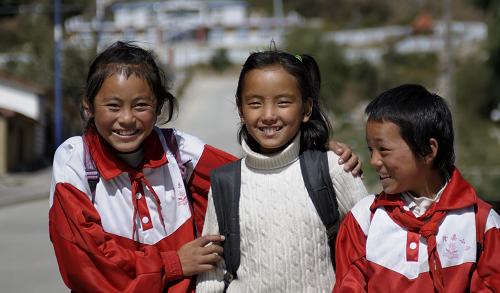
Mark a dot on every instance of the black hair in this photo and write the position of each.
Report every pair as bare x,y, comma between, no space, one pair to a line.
128,58
420,115
314,133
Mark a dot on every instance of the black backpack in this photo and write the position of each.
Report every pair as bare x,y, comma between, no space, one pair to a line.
226,181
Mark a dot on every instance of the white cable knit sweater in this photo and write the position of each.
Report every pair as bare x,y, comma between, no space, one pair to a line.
284,247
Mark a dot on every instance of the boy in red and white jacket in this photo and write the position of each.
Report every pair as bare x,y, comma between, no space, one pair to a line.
427,231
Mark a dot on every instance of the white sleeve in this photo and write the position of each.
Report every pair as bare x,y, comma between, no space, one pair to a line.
349,189
190,149
212,281
68,166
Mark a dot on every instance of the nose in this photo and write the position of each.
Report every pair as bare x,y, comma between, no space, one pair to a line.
126,116
375,159
269,114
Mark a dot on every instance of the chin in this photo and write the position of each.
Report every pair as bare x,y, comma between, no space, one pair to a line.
126,149
389,190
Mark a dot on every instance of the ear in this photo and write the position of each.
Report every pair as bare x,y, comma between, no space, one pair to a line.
308,107
429,158
240,113
88,111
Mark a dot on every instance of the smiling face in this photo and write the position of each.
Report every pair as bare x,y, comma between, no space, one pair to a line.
124,111
272,108
398,168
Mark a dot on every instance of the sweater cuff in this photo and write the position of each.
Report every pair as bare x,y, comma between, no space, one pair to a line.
172,265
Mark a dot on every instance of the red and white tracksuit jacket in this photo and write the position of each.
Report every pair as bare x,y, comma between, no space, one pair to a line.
127,241
376,253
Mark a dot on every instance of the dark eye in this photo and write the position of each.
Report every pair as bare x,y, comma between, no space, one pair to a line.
113,106
142,106
284,103
254,104
384,151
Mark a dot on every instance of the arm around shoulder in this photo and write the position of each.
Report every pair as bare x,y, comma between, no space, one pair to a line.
349,189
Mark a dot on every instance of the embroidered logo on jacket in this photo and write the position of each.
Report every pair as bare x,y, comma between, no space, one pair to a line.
454,247
182,199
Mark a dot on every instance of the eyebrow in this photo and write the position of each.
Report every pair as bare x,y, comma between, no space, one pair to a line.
281,95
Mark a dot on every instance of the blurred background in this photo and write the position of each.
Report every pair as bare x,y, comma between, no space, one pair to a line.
363,47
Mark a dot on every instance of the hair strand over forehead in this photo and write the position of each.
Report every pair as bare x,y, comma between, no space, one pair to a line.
128,59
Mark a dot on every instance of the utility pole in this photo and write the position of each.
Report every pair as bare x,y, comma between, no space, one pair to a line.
449,70
279,17
99,16
278,9
57,74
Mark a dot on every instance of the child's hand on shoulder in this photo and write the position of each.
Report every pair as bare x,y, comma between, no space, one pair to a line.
347,158
200,255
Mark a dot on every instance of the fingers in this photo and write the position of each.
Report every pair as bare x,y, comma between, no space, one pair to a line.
354,165
204,240
211,258
358,171
335,146
341,149
200,255
212,249
350,162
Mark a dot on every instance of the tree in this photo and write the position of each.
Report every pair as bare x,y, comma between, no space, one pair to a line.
492,9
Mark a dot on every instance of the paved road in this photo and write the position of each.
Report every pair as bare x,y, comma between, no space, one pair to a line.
208,111
27,261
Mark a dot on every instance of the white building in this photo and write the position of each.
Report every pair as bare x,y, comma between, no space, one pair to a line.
184,32
22,124
372,43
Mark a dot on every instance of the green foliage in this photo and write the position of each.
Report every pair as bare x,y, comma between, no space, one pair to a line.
33,43
220,60
492,89
473,79
75,63
330,58
365,78
485,4
419,68
344,83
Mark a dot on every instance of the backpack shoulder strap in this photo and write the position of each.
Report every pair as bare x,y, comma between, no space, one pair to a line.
171,141
91,171
316,174
225,183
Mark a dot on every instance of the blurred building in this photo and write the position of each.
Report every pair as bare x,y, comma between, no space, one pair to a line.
423,36
22,124
182,32
26,124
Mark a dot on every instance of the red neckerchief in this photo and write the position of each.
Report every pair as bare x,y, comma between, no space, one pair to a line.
458,194
110,165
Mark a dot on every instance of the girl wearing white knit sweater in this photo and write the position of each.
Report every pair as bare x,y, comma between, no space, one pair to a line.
284,246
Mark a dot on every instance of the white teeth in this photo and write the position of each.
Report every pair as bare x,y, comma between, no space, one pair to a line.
270,130
125,132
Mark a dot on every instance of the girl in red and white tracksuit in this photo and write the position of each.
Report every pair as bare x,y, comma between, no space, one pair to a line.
134,231
428,231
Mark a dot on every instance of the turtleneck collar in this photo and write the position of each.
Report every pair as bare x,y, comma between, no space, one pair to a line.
272,161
